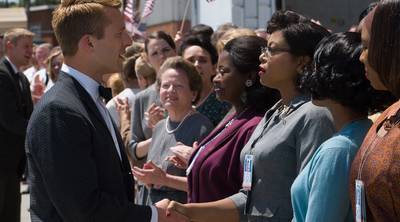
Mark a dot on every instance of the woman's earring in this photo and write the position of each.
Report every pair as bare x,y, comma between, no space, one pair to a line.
248,83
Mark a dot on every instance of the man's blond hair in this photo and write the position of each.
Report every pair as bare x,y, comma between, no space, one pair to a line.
13,35
76,18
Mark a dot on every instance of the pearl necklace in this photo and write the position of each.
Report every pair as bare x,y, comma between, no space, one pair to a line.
179,125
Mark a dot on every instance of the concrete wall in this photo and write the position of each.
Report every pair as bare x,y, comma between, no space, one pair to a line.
12,18
244,13
252,14
336,15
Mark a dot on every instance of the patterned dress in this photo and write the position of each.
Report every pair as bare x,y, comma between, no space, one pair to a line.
214,109
377,164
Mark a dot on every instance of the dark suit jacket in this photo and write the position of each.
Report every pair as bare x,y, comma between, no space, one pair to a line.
15,110
75,170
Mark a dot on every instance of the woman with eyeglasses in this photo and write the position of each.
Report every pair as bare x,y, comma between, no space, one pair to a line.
284,140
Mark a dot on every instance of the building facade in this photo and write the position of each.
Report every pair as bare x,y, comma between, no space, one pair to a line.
337,15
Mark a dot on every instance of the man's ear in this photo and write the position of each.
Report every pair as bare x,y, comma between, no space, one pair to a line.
9,45
86,43
302,62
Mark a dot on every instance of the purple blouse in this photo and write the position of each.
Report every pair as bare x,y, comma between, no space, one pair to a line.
217,172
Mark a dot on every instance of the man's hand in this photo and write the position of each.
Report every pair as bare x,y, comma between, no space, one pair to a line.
163,216
174,208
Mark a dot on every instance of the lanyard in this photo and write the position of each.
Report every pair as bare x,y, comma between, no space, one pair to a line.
384,129
283,112
361,205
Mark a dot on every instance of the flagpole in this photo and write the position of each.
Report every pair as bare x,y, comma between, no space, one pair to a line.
137,6
184,15
140,20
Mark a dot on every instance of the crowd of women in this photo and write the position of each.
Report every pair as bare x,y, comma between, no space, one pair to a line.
300,125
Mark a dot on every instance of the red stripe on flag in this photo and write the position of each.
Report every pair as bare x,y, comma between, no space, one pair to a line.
148,8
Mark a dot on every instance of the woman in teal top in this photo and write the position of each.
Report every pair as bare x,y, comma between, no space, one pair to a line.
338,82
203,55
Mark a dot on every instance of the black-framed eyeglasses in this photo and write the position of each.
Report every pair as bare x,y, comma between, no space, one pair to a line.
269,51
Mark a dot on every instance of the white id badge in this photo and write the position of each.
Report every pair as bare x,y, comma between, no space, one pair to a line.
361,215
247,171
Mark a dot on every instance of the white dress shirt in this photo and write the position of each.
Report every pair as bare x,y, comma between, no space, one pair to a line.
112,105
16,70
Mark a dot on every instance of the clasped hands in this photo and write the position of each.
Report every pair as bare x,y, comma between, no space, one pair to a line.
171,211
153,175
181,154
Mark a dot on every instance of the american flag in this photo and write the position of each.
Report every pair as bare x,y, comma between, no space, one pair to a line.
129,10
131,18
148,8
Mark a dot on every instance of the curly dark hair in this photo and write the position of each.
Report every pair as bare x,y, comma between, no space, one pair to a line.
244,52
281,19
203,30
204,43
339,75
302,38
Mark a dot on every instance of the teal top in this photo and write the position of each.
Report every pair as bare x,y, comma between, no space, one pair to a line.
320,191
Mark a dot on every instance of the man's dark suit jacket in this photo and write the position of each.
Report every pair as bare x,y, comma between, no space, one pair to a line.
75,171
15,110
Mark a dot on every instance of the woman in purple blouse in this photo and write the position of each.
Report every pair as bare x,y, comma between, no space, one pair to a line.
215,170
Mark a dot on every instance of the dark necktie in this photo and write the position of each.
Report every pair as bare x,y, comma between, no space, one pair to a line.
105,93
17,79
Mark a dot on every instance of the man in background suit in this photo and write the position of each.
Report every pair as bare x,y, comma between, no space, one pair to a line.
15,110
78,167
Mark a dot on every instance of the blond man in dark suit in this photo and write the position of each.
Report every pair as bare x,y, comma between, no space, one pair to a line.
15,110
78,167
